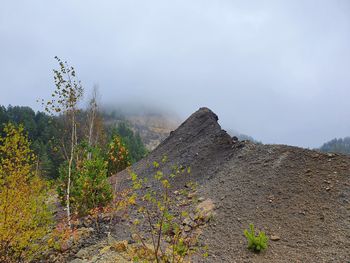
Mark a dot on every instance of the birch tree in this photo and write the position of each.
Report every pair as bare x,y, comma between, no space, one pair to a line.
95,132
64,100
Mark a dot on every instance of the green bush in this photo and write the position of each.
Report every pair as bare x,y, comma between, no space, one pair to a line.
256,242
89,187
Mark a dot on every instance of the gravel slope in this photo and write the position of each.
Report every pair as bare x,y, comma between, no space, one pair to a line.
300,196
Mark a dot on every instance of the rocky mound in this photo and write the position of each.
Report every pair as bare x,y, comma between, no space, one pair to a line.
299,197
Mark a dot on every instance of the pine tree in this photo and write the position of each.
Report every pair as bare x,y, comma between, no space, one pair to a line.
90,187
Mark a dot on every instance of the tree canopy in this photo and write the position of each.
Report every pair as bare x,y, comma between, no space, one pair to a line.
341,145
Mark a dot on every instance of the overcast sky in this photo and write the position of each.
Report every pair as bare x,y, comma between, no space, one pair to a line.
276,70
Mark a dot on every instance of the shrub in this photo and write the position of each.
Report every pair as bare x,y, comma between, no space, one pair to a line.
90,187
118,156
132,140
168,221
25,218
256,242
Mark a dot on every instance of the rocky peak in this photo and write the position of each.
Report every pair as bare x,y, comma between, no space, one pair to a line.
200,130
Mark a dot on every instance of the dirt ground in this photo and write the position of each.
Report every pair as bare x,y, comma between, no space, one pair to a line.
298,196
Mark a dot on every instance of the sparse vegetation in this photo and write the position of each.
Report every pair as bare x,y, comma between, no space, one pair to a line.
257,242
74,152
167,222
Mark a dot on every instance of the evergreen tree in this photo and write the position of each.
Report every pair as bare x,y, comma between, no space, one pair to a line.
89,187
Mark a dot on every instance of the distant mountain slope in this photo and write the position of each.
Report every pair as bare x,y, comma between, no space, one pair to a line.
299,197
241,136
337,146
153,128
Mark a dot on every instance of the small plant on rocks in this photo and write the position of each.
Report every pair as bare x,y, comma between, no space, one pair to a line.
164,219
256,242
62,236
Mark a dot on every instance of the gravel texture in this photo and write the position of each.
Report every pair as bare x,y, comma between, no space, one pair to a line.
299,197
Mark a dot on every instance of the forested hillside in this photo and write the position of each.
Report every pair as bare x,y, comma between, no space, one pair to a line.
341,145
152,127
43,131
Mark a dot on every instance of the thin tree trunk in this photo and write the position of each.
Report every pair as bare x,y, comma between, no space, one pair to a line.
93,110
70,163
37,167
91,129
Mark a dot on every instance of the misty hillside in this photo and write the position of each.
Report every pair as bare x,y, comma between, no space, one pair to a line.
341,145
152,127
241,136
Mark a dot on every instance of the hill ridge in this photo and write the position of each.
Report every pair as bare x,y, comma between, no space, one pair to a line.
301,196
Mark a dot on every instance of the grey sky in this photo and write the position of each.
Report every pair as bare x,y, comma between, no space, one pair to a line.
276,70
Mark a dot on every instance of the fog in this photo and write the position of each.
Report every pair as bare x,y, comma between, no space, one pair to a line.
275,70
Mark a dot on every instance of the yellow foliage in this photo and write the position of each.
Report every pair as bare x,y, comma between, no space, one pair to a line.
132,199
118,156
24,217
